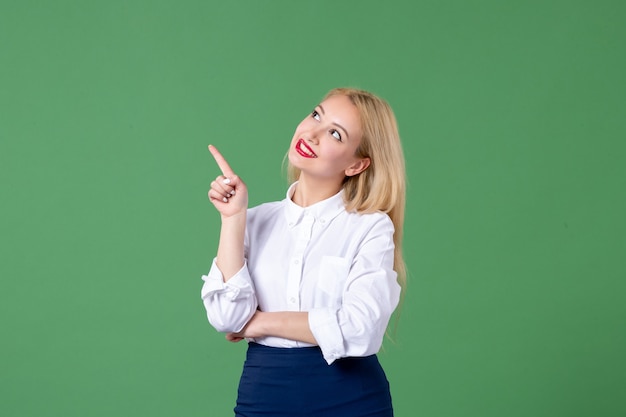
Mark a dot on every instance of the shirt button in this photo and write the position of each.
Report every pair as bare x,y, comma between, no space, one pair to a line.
297,261
292,300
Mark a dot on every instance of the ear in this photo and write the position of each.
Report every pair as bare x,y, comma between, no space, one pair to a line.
359,166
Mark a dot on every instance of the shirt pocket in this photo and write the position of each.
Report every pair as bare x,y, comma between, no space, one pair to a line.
333,274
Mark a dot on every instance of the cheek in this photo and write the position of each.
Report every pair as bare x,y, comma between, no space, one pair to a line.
335,154
345,157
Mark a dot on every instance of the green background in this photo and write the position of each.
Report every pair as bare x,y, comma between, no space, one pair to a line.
512,117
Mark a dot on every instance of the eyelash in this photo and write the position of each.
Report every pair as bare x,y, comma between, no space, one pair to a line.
316,116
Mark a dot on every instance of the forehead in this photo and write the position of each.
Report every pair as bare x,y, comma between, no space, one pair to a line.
340,109
340,105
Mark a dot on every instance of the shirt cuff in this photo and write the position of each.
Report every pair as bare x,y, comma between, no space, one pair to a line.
325,328
238,286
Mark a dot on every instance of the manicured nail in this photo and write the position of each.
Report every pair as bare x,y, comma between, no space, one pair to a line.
225,200
232,192
226,180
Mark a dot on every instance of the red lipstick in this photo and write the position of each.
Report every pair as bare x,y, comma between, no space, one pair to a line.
305,150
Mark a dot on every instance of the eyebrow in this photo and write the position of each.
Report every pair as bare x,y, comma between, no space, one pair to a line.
336,124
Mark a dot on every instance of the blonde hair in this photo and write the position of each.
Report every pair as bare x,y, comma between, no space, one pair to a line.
382,186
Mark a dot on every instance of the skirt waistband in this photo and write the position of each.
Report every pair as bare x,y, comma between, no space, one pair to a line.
278,356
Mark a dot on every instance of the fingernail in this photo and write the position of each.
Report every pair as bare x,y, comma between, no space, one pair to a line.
232,192
225,200
226,180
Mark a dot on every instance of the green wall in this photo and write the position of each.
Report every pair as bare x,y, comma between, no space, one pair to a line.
512,116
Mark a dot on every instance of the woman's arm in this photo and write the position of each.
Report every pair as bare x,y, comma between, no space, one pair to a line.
370,295
230,250
293,325
228,292
229,195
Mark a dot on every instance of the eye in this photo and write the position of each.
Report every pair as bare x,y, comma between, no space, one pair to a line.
336,134
315,115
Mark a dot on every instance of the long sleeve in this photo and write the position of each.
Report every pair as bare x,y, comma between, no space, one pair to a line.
229,305
356,326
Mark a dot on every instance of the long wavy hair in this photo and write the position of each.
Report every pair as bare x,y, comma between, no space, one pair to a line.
382,186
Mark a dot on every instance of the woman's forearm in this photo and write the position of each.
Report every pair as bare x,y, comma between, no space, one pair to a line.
229,195
293,325
230,251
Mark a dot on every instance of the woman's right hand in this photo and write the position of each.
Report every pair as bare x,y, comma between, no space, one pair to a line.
228,192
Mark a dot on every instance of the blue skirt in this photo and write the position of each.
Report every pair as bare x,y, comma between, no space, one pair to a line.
297,382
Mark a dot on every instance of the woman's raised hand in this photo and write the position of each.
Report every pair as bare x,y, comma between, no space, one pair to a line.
228,192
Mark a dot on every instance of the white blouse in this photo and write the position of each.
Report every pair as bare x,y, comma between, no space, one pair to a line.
334,264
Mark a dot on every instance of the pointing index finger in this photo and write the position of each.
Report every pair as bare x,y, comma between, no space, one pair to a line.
221,162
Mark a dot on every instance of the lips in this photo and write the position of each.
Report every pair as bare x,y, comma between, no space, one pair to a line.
303,149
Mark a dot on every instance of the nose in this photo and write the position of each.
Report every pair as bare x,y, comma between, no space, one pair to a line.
313,136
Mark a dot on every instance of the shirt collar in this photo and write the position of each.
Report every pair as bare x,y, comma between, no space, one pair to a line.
323,211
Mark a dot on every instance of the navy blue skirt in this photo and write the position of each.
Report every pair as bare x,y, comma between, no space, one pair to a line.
297,382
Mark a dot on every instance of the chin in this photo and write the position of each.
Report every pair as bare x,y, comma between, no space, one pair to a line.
294,158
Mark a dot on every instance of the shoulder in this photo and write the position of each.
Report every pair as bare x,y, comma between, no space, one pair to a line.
377,220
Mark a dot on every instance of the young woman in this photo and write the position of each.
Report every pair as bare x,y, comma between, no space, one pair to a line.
311,281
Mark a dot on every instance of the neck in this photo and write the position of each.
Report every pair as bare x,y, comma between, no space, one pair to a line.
310,191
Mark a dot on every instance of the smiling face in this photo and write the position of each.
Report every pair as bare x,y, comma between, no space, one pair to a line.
325,142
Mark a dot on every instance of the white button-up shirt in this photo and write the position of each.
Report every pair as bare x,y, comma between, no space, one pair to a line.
336,265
